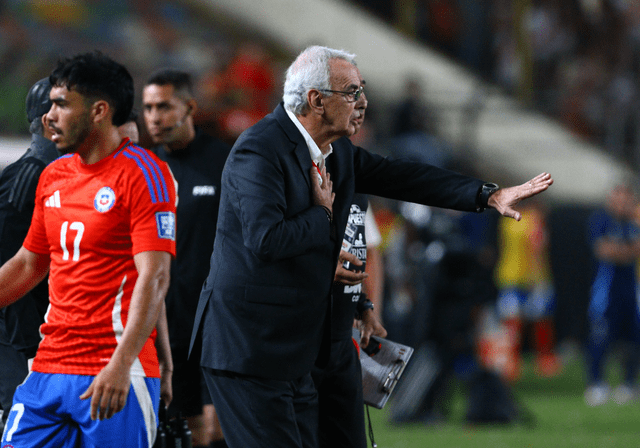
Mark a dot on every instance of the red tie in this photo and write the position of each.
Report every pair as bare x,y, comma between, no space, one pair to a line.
319,169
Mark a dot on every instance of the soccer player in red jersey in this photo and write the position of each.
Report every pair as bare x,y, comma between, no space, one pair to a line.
104,229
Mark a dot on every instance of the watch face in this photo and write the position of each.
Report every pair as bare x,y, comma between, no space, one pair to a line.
489,189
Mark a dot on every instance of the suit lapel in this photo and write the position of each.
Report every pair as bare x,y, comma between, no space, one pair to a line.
304,161
300,148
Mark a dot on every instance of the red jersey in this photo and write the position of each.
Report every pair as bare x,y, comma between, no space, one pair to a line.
92,220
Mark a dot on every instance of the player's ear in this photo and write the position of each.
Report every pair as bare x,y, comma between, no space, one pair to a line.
100,110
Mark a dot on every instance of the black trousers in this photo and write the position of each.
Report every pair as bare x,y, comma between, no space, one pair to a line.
13,370
262,413
341,406
190,392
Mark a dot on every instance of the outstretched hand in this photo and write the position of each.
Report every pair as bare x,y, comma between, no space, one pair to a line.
505,199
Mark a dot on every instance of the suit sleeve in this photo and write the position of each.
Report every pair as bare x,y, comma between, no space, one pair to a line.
276,222
412,181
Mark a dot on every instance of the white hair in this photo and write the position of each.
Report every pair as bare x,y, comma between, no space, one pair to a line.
309,71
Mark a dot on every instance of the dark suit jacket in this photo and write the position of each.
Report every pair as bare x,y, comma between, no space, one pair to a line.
264,308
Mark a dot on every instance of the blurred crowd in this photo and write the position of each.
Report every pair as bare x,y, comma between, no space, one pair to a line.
577,61
239,75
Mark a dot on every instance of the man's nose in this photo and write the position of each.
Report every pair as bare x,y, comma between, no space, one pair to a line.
50,116
153,116
362,101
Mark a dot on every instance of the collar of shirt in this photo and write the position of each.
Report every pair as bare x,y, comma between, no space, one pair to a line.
316,155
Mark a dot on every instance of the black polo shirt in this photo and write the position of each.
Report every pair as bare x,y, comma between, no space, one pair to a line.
198,170
20,322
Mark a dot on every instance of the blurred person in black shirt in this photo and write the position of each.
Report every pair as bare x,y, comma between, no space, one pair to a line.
196,160
20,322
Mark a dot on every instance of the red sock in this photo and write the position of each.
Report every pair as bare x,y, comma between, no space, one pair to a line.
514,330
543,333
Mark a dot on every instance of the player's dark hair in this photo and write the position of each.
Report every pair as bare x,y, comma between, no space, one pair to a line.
181,81
133,116
95,75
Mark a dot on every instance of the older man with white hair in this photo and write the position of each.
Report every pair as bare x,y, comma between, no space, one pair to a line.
264,313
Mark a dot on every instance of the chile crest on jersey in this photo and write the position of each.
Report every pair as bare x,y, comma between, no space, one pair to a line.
104,200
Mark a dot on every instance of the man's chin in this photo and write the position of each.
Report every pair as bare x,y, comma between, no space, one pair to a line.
62,149
66,149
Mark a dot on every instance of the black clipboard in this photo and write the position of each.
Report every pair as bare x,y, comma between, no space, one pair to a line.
383,363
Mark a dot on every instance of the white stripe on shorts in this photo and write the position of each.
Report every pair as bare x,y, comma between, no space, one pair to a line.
146,405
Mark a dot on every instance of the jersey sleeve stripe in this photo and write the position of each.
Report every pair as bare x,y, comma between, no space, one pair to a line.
125,143
155,170
140,154
145,172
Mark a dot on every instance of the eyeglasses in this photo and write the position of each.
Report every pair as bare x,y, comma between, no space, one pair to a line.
352,96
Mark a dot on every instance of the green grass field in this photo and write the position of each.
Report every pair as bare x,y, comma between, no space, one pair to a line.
562,418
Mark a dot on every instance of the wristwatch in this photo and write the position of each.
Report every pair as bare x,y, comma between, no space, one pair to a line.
482,200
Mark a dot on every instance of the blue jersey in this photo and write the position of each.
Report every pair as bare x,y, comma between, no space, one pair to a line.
612,279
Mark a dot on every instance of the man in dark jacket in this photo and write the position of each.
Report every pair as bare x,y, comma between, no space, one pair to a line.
264,316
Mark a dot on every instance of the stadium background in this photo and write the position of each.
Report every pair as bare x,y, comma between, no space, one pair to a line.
514,87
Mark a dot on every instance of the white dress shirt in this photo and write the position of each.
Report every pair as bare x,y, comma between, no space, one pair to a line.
314,151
